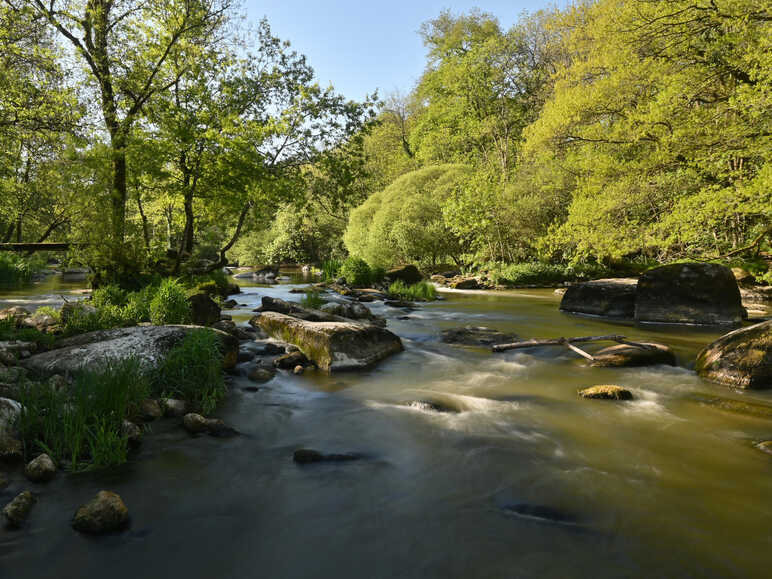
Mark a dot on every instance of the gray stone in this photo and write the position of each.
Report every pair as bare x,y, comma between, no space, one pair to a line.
103,514
40,469
194,423
150,409
173,407
132,432
17,511
9,412
611,298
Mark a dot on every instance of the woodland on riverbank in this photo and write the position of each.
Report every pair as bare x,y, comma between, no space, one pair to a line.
168,137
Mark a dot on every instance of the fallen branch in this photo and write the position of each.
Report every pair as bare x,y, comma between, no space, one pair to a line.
570,343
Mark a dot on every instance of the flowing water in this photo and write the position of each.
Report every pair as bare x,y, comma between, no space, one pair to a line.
522,480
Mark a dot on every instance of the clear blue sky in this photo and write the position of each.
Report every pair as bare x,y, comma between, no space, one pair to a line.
362,45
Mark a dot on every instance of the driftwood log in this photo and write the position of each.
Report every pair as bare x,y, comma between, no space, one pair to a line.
570,343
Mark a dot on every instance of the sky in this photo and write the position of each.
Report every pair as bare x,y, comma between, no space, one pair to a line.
359,46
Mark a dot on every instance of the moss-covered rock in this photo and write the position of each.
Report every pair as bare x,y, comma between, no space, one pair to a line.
624,355
103,514
610,298
742,358
333,346
17,511
606,392
689,293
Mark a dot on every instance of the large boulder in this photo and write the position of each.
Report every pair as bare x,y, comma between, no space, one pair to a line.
689,293
333,346
148,344
742,358
611,298
204,310
408,274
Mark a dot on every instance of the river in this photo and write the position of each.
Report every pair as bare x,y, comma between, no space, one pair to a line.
659,487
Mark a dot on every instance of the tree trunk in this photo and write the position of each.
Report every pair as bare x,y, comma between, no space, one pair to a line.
118,194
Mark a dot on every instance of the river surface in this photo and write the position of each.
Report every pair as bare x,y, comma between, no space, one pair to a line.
659,487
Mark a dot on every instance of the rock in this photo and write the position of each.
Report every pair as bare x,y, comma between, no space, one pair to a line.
261,375
439,279
16,312
232,289
743,276
464,283
477,336
352,311
11,449
308,455
103,514
227,326
9,412
173,407
606,393
298,370
399,304
17,511
204,310
296,310
132,432
756,295
230,304
431,405
40,469
290,360
623,355
58,382
12,374
742,359
217,428
689,293
150,409
194,423
611,298
745,407
71,309
272,348
334,346
41,322
408,274
246,355
149,344
765,446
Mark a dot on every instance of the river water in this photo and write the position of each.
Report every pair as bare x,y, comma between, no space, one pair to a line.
659,487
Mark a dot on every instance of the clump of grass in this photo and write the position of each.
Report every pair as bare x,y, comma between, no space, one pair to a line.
193,371
331,269
170,304
313,299
421,291
81,425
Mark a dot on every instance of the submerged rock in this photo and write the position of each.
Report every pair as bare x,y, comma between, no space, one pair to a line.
430,405
308,455
132,432
17,511
746,407
261,375
606,392
624,355
148,344
611,298
104,513
542,512
742,358
477,336
334,346
290,360
765,446
40,469
197,424
689,293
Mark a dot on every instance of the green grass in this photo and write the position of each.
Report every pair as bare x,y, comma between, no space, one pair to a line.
193,371
170,304
312,299
421,291
331,269
81,425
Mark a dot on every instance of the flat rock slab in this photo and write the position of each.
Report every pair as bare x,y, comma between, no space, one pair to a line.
148,344
624,355
742,358
689,293
333,346
611,298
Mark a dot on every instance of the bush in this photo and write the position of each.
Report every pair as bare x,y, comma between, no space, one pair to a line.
356,272
421,291
193,371
83,424
539,273
170,304
109,295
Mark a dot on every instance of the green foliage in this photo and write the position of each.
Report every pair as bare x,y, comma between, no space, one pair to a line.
356,272
109,295
15,270
82,424
313,299
331,269
193,371
404,223
170,304
9,331
421,291
540,274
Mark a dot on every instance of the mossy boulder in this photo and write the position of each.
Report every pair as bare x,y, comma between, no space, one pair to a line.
624,355
742,359
17,511
333,346
610,298
689,293
606,392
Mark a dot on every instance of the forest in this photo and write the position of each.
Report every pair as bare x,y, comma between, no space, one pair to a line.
169,136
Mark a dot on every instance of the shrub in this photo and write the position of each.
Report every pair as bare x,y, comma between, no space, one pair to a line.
193,371
109,295
170,304
331,269
356,272
539,273
82,425
421,291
